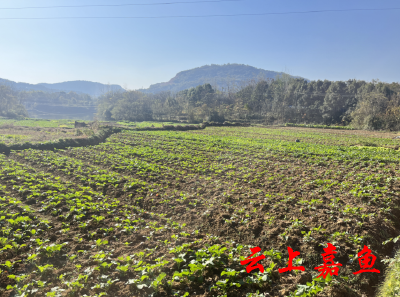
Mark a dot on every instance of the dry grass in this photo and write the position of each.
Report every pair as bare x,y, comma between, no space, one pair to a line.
10,134
391,285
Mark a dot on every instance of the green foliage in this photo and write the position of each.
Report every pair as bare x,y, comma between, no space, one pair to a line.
115,197
373,105
127,106
10,106
391,285
313,288
372,111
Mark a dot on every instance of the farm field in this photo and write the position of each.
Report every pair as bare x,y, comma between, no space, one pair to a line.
37,123
169,213
14,135
39,131
146,124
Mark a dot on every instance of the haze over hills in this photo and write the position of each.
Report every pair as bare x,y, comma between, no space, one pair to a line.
87,87
220,75
217,75
23,86
79,86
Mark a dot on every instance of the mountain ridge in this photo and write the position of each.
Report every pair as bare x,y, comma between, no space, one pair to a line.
217,75
220,75
78,86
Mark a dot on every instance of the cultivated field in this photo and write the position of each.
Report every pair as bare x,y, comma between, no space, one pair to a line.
157,213
34,131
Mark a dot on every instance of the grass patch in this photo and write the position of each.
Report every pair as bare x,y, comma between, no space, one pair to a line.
318,126
147,124
391,286
37,123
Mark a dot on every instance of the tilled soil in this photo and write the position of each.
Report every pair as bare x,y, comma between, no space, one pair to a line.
225,193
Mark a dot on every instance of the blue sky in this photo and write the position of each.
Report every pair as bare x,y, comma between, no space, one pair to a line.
138,52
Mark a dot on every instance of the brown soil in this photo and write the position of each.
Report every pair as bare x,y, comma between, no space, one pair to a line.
258,203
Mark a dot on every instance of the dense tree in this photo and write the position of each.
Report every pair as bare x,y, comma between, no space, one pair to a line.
32,98
10,105
127,106
107,102
373,105
369,111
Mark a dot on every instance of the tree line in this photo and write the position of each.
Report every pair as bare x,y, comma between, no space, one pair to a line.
14,104
364,105
371,105
32,98
10,103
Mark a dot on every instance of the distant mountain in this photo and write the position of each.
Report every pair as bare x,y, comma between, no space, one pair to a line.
23,86
220,75
79,86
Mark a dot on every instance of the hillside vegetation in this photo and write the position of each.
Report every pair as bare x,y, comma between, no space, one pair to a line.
365,105
39,104
10,105
222,76
78,86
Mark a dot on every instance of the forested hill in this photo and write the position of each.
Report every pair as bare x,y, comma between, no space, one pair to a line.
79,86
23,86
86,87
216,75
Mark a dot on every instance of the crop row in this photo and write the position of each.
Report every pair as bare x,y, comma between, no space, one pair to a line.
140,192
66,244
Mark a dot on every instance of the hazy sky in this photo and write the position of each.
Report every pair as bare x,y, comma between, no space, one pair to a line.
138,52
